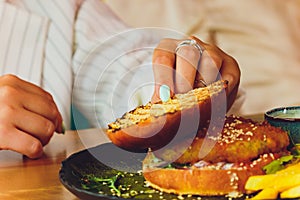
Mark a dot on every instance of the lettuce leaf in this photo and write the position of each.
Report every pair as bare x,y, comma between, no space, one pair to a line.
278,164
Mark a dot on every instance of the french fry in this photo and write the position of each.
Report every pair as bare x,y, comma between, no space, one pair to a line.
280,182
259,182
285,182
293,192
268,193
294,169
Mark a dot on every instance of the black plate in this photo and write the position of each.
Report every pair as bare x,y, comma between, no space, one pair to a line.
107,160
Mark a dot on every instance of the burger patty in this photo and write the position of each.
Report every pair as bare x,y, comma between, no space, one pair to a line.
241,140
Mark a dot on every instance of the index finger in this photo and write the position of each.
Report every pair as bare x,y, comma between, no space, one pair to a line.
163,66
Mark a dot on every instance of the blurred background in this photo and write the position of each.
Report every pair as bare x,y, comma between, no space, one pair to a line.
262,35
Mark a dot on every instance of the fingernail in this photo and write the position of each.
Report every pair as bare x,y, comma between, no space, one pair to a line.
164,93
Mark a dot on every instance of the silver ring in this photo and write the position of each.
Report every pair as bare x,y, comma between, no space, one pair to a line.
189,42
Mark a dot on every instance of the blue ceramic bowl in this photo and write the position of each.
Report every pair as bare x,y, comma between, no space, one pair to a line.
288,118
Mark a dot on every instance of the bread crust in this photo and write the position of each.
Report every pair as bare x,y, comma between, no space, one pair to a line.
206,181
157,131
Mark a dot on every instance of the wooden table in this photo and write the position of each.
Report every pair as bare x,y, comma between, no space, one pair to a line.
22,178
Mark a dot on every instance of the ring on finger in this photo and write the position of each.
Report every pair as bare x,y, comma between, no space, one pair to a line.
189,42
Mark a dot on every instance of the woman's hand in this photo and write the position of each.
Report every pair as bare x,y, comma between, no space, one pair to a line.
28,117
186,68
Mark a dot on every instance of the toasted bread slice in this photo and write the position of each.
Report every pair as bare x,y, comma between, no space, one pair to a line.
155,125
205,179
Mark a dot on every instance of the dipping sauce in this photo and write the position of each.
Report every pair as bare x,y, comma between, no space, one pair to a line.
287,114
288,118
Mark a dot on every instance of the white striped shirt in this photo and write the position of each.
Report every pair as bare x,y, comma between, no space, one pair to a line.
38,38
49,43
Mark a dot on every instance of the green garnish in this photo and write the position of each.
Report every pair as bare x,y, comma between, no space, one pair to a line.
278,164
92,182
120,184
282,162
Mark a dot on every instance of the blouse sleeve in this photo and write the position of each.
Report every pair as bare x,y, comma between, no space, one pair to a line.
23,39
112,63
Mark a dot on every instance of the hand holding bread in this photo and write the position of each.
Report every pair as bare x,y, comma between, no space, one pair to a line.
185,67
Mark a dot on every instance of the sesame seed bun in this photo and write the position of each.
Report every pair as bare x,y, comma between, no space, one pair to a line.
155,124
212,180
240,150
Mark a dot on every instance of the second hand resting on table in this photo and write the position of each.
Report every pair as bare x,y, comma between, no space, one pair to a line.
28,117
